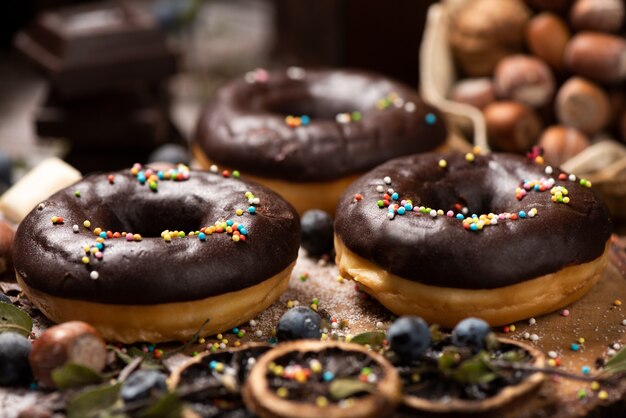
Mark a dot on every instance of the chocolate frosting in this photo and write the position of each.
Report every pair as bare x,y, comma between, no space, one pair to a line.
441,252
244,127
151,271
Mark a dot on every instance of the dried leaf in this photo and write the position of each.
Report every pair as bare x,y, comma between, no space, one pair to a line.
344,388
13,319
475,370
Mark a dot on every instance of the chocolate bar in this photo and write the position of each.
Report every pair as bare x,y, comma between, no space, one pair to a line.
91,48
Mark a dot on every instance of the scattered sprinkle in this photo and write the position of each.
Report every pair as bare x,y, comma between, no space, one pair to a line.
430,118
296,73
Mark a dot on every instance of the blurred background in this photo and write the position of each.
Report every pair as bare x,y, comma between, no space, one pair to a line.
104,84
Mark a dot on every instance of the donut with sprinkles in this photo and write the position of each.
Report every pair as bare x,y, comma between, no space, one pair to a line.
155,255
308,133
449,236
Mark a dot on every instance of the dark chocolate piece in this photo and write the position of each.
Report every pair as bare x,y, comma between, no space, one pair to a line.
245,125
152,271
131,118
94,47
440,252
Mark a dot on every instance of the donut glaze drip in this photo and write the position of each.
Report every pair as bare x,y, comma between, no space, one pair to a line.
436,249
151,271
245,126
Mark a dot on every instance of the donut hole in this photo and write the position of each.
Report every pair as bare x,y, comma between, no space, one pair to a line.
487,192
315,108
153,217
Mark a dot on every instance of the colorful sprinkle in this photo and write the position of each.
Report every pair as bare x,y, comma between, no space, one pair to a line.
430,118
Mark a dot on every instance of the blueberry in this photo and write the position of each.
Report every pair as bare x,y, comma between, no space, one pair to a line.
299,323
471,332
14,352
317,232
409,337
4,298
170,153
142,384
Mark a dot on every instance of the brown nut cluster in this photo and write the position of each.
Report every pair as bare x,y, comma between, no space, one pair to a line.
567,77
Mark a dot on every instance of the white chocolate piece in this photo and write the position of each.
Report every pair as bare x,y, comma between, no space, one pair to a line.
48,177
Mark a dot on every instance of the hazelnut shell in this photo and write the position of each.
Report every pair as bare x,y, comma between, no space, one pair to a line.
70,342
525,79
597,15
583,105
560,143
511,126
547,36
478,92
598,56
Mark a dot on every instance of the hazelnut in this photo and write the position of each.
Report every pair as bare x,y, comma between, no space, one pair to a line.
7,233
599,15
524,79
583,105
560,143
556,6
477,92
511,126
70,342
598,56
485,31
547,36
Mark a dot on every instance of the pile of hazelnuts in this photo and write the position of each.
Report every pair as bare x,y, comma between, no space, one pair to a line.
544,72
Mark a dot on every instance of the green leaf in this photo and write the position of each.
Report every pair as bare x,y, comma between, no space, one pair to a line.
14,319
344,388
92,403
447,360
513,356
475,370
617,363
168,406
72,375
125,358
435,333
374,338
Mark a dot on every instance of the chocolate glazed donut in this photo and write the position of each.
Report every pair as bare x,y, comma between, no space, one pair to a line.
315,129
111,250
447,236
